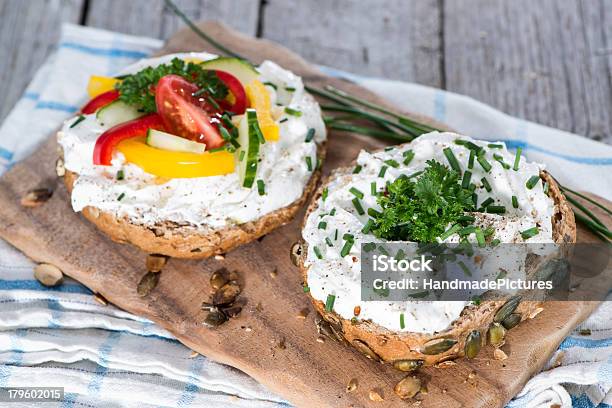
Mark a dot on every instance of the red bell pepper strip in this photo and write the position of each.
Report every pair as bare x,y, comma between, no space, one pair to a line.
100,101
108,141
237,90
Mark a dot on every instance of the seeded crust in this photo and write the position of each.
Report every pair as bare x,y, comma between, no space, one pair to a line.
377,342
187,241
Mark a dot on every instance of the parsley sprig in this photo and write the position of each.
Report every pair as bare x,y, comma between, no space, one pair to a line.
138,89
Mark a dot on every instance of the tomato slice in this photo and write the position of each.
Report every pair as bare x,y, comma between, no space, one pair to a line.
100,101
108,141
183,114
237,90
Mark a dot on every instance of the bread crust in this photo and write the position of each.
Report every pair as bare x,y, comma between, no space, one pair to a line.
381,343
180,241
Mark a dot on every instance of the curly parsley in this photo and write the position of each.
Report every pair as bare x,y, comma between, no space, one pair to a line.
137,89
421,209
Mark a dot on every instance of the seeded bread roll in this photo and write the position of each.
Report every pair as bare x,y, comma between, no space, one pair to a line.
410,350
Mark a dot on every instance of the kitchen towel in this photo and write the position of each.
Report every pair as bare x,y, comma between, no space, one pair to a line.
104,356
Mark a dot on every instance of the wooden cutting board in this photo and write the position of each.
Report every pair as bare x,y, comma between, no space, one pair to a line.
267,340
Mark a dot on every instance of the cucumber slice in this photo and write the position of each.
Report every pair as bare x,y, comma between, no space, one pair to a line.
117,112
241,69
166,141
247,155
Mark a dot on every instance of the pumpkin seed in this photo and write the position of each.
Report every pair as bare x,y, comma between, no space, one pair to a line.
512,320
407,365
296,253
215,319
36,197
60,170
219,278
473,344
226,294
407,387
438,346
232,311
497,333
147,283
363,347
375,395
48,275
352,385
507,308
155,262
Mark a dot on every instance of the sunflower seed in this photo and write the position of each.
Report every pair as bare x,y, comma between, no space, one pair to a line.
148,282
219,257
363,347
352,385
36,197
499,354
473,344
407,365
375,395
219,278
296,253
438,346
48,275
60,170
155,262
497,333
226,294
507,308
215,319
512,320
407,387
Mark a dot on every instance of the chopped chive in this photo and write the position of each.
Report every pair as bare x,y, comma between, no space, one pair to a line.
120,175
336,235
464,268
485,184
358,206
270,84
470,229
77,121
373,188
546,187
517,158
317,252
402,324
332,212
487,202
480,237
501,161
531,183
368,226
309,163
501,275
292,112
389,148
224,133
228,122
329,242
382,171
322,225
120,196
489,231
515,202
471,160
310,135
452,160
475,199
306,289
368,247
466,218
356,192
241,155
346,248
450,231
357,169
400,254
324,194
392,163
408,156
495,146
289,89
348,237
529,233
496,209
283,120
373,213
213,103
218,149
495,242
415,174
329,303
486,166
467,176
261,187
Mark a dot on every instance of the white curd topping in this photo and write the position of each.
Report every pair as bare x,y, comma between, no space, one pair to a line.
206,202
341,276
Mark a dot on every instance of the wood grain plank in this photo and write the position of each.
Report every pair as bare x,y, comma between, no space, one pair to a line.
394,39
546,61
150,18
28,33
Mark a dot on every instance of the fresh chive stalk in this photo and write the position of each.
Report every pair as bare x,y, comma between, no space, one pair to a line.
322,225
486,166
471,160
358,206
515,202
382,171
402,323
317,252
480,237
485,184
496,209
531,183
356,192
467,176
310,135
452,160
293,112
324,194
261,187
455,228
517,158
392,163
357,169
120,175
529,233
329,303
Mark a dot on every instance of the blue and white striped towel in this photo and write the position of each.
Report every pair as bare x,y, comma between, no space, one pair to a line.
104,356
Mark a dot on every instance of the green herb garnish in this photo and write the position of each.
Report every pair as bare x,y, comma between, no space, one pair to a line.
402,324
501,161
322,225
531,183
293,112
120,175
452,160
515,203
471,160
496,209
120,196
324,194
356,192
480,238
495,146
357,169
358,206
529,233
317,252
369,246
270,84
261,187
408,156
382,171
373,188
485,184
310,135
77,121
289,89
486,166
392,163
467,176
517,158
346,248
464,268
308,163
306,289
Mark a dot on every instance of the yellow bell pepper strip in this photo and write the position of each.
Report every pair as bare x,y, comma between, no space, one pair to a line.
169,164
259,99
99,84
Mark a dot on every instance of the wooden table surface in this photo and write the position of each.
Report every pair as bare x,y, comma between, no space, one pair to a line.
549,61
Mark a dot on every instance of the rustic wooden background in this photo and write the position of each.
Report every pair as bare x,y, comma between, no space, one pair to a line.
549,61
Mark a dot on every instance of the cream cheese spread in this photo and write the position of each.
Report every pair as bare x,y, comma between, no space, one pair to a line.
206,202
341,276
